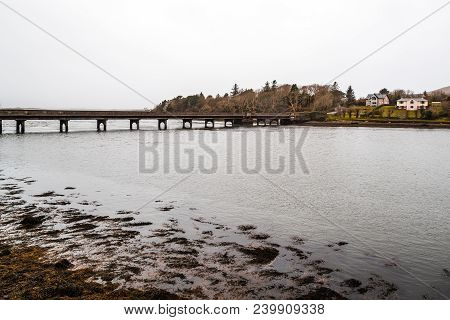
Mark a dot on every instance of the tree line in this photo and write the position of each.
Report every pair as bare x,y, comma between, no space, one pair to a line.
274,98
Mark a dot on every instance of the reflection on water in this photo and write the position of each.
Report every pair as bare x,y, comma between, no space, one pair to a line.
382,191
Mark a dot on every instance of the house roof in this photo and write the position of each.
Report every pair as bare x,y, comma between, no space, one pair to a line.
378,95
415,99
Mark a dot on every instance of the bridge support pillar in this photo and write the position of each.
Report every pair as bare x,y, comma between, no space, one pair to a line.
243,122
285,122
63,126
20,126
237,122
162,122
101,123
187,121
134,121
207,121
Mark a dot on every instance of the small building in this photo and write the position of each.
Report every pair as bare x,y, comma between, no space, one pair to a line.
412,104
377,99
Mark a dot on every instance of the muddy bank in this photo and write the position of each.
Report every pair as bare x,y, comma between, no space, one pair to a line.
56,245
29,273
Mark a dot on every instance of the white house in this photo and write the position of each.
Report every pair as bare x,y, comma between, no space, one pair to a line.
412,104
377,99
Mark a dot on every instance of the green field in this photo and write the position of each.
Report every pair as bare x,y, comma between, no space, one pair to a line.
436,113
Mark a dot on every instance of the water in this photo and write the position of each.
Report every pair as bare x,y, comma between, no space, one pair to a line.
384,191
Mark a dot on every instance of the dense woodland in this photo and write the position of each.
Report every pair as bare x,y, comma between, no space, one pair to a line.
272,98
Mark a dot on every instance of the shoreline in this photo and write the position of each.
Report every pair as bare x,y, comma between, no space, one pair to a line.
377,124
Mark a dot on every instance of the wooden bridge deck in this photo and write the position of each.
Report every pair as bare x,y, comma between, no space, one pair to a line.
30,114
102,116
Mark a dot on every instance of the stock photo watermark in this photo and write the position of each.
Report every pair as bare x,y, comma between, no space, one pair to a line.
229,152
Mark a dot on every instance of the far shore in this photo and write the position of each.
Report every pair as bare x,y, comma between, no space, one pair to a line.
380,124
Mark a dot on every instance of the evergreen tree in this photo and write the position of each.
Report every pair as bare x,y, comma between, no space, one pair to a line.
384,91
335,87
350,96
266,87
294,88
274,85
337,95
235,90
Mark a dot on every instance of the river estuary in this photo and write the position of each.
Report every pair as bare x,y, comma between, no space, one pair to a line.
261,212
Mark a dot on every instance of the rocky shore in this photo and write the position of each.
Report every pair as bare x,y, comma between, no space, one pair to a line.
54,245
28,273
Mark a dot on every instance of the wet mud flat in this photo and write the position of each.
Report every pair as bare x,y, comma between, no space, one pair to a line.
27,273
59,245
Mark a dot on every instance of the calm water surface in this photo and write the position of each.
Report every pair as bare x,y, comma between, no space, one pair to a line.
384,191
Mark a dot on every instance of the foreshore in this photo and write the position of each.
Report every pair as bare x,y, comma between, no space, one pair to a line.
32,273
379,124
51,249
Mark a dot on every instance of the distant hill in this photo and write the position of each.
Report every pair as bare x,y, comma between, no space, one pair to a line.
445,90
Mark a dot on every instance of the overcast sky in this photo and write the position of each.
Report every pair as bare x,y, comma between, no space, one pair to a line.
167,48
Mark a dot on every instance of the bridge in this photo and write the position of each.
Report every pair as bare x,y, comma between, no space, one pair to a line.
134,117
